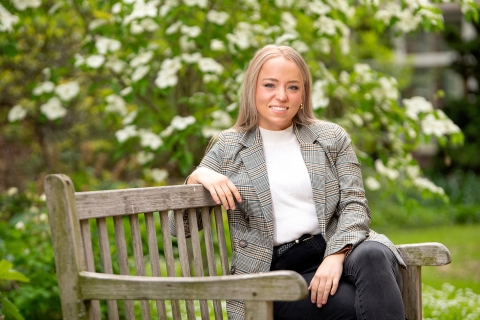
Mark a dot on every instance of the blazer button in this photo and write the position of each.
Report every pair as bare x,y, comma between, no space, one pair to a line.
243,243
232,270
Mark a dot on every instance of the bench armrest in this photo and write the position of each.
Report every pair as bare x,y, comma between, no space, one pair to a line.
425,254
277,285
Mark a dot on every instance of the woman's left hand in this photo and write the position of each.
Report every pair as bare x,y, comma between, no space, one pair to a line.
326,279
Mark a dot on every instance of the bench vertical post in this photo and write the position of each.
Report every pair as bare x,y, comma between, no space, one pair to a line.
412,292
67,244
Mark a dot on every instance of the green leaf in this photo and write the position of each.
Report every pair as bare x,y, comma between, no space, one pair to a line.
10,311
7,273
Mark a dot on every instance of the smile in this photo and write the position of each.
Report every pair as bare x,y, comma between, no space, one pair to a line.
278,108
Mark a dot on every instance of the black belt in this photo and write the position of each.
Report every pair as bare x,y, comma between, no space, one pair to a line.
279,250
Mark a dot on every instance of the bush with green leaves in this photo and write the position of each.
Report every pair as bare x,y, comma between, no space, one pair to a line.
148,82
450,303
7,308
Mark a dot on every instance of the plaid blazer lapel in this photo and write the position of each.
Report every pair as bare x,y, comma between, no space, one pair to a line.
253,158
314,157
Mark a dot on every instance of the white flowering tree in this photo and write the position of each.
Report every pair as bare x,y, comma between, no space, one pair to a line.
157,78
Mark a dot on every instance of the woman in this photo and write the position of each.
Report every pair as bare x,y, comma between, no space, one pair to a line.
293,190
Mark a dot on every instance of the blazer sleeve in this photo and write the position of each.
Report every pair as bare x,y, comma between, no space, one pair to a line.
212,160
352,210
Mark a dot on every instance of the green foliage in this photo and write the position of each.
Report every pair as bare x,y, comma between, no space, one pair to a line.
7,308
450,303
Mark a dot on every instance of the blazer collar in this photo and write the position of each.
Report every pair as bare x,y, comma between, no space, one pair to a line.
305,135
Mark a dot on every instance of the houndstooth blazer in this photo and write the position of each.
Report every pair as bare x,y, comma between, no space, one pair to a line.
342,209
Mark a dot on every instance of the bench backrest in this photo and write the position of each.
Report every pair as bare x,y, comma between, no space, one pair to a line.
127,232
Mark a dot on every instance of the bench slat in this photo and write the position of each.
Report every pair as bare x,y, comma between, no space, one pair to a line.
109,203
251,287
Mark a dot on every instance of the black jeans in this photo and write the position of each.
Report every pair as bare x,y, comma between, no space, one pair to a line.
369,287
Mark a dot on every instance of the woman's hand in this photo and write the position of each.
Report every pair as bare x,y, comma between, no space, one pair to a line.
220,187
326,279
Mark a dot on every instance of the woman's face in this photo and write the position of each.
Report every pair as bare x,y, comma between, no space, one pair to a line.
279,93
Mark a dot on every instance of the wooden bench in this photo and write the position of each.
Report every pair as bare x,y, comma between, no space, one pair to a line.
159,276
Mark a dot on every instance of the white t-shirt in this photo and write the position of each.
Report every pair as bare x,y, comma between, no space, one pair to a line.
293,206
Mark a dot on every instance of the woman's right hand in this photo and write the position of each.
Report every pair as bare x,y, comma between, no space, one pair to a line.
220,187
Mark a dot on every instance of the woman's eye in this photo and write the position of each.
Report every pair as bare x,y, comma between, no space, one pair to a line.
268,85
293,88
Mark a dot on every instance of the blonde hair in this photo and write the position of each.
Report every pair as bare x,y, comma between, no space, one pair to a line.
247,115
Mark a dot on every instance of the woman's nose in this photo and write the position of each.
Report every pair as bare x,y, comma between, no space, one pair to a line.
281,94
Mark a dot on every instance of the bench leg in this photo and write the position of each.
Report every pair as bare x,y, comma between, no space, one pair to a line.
256,310
412,292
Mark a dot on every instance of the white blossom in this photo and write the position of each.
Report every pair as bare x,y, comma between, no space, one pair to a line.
44,87
372,184
174,27
210,65
158,175
242,36
221,119
186,44
116,104
439,127
126,133
94,24
232,106
149,24
217,45
144,157
142,58
390,173
7,20
191,58
288,21
199,3
149,139
117,8
129,117
68,91
142,9
318,7
115,64
167,76
43,217
363,72
79,60
53,109
167,132
387,90
209,132
356,119
424,183
181,123
20,226
126,91
136,28
413,171
140,72
325,25
12,191
383,15
207,77
218,17
417,105
17,113
105,45
408,21
21,5
284,3
300,46
319,97
285,38
95,61
192,32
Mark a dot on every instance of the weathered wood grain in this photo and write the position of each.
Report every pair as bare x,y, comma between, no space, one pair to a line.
109,203
251,287
425,254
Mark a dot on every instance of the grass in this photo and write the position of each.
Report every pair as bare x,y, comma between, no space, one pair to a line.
463,241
